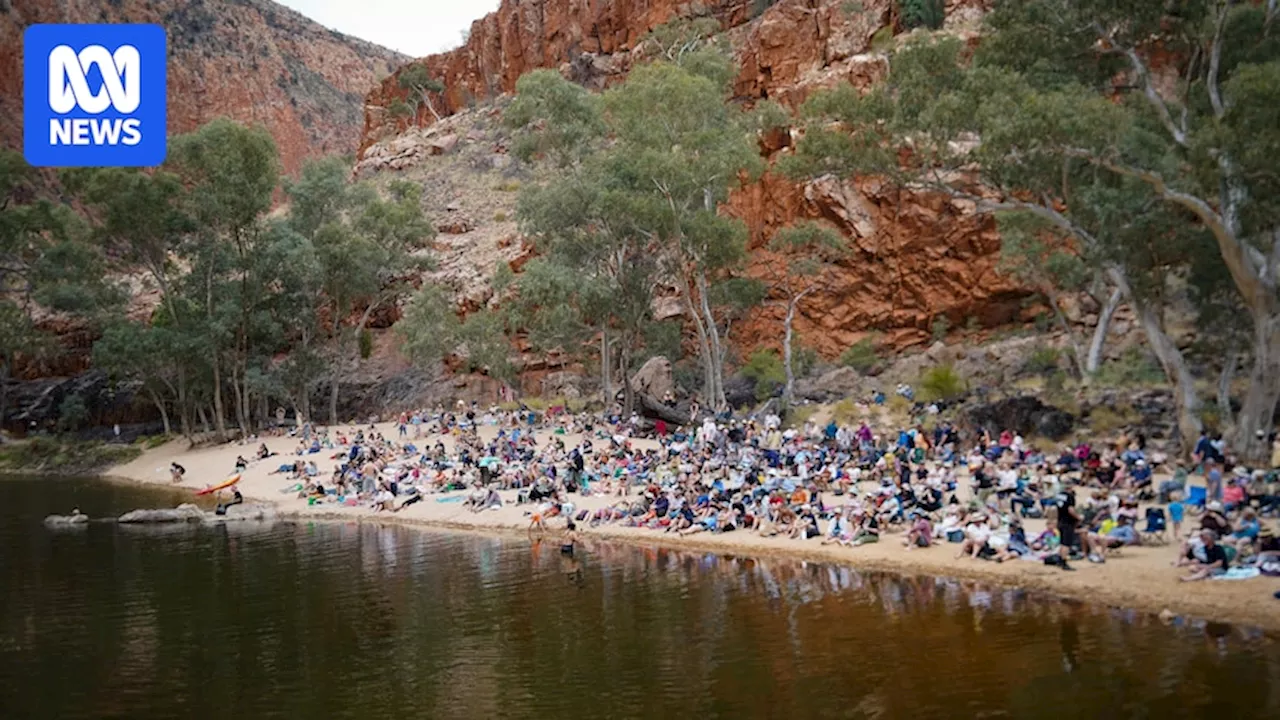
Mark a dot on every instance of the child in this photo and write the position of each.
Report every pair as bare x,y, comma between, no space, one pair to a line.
1176,511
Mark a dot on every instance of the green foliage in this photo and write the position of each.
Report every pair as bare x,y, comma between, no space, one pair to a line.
554,117
663,338
429,329
400,109
500,216
940,327
862,355
923,13
72,413
1042,361
484,342
1107,419
846,412
882,40
1135,367
764,367
805,360
69,457
798,416
366,344
940,382
418,78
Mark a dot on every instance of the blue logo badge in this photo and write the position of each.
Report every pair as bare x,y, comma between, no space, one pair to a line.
94,95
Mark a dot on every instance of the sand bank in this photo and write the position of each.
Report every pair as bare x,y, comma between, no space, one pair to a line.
1140,578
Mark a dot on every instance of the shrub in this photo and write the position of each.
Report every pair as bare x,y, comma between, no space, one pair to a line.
72,413
765,368
862,355
882,40
1043,360
45,454
366,344
508,186
799,415
922,13
499,216
845,412
1105,419
1134,367
941,382
941,325
804,360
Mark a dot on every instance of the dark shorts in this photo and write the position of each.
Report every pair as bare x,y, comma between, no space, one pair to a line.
1069,538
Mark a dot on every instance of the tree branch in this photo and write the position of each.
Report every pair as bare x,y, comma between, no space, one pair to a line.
1178,133
1215,63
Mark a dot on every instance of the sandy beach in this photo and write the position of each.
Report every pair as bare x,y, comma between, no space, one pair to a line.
1139,578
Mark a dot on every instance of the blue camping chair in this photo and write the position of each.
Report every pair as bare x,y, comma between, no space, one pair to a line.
1157,526
1197,496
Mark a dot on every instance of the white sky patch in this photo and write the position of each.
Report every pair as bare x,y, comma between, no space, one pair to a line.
413,27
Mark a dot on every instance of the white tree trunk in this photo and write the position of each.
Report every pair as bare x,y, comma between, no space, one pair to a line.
1108,312
1224,387
1255,421
789,392
606,384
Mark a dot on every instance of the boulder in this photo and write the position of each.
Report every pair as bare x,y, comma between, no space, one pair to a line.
66,520
837,384
185,512
456,223
443,144
654,378
1025,415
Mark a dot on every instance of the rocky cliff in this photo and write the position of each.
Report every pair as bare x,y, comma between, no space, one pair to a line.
251,60
916,257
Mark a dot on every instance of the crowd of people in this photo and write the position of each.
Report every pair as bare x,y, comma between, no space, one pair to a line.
849,483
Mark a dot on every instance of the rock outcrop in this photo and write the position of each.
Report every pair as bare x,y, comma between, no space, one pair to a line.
915,257
251,60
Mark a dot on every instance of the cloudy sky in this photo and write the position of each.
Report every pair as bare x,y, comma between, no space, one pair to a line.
413,27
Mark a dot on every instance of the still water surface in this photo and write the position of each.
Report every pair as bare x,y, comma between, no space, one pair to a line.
330,620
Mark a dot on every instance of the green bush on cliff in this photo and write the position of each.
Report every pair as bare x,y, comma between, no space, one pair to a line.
46,454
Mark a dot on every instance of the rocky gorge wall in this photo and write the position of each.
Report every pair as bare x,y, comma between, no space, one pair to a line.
251,60
915,256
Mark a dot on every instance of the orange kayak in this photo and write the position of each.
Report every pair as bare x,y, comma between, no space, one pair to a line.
220,486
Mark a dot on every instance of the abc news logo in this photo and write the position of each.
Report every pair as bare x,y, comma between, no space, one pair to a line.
69,89
94,95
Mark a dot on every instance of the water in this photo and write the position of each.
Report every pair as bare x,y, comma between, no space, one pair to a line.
330,620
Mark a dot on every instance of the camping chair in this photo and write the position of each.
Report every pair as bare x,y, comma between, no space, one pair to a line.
1197,496
1157,527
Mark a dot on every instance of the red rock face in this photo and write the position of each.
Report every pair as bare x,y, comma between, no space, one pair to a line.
252,60
913,257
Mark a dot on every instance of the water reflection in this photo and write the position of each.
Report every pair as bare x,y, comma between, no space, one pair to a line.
361,620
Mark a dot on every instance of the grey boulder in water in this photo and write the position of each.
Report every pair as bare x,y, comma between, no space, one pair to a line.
64,520
185,512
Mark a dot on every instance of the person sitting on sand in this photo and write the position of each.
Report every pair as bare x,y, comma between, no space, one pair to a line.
176,472
383,499
263,452
976,534
1096,544
866,529
1214,561
921,532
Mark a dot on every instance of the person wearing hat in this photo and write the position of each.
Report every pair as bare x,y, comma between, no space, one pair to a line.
1214,519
